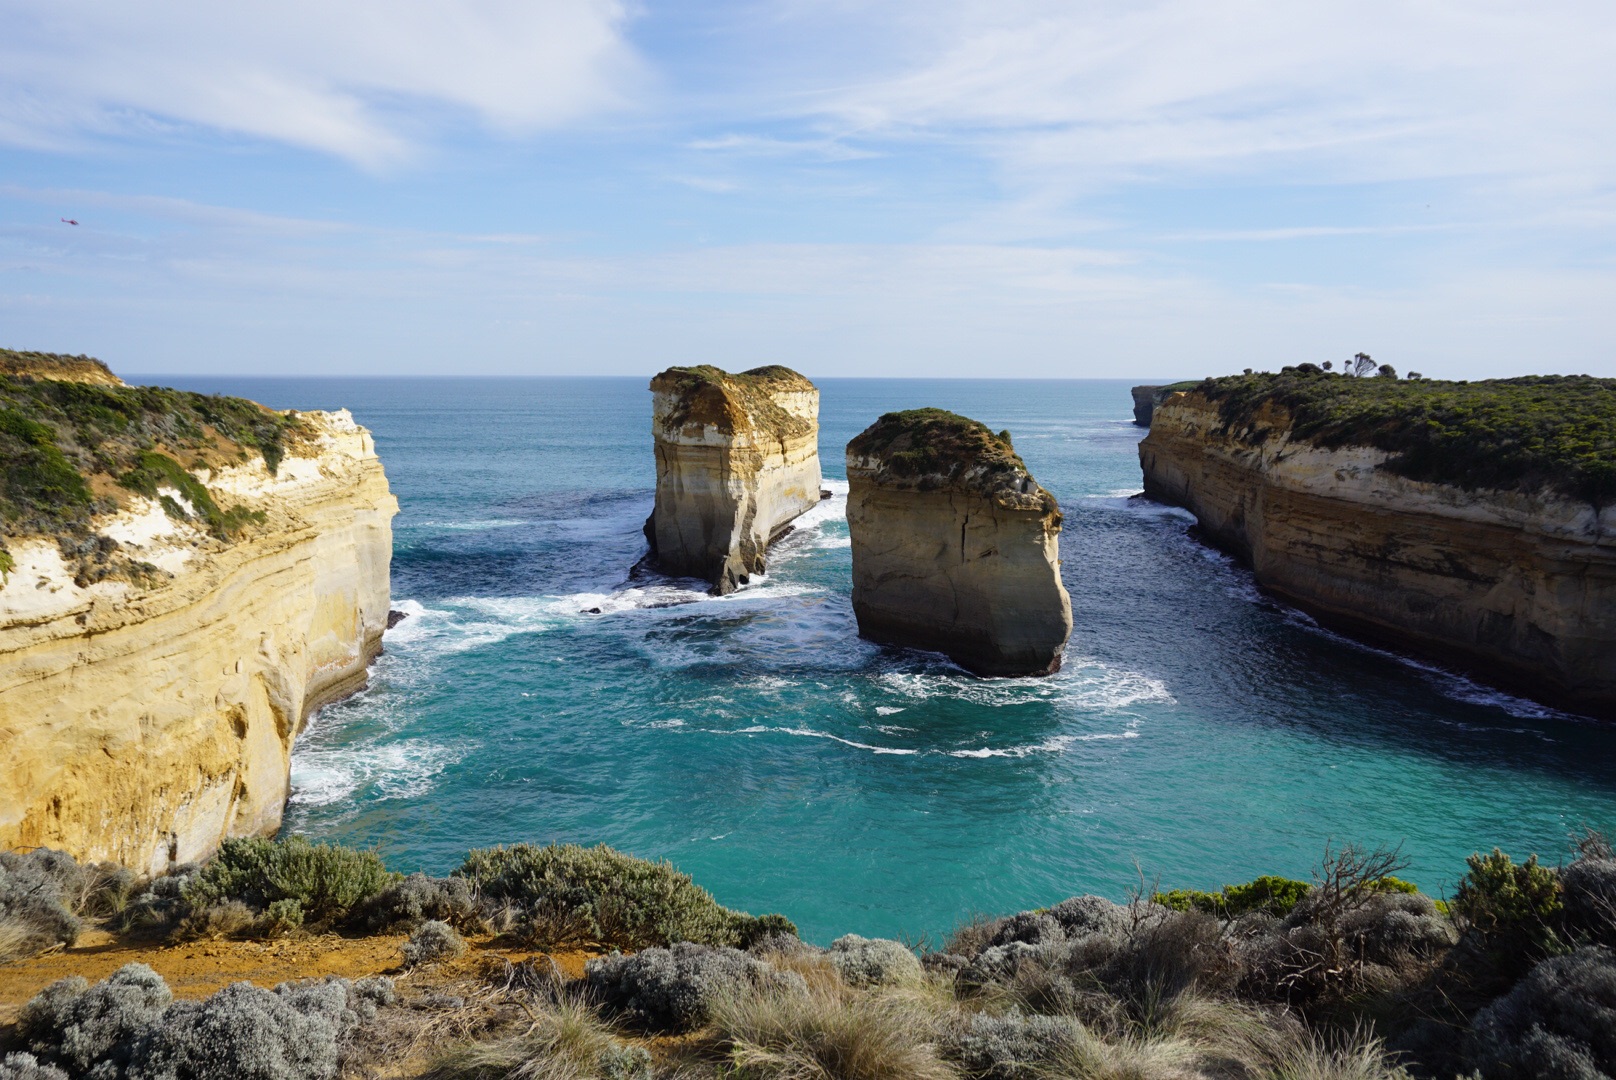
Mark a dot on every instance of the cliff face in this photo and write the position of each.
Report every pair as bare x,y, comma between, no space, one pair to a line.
143,720
1144,404
737,459
956,549
1518,587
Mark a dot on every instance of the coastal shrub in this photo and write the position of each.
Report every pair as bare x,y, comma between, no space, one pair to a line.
1393,926
326,880
130,1028
575,895
433,942
154,471
1013,1046
831,1034
39,892
76,1025
873,961
1588,893
417,899
674,989
56,436
27,1067
1275,895
1513,908
289,1033
1558,1023
38,478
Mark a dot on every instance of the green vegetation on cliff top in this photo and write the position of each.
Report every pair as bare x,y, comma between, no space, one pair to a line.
714,397
935,442
1523,434
65,446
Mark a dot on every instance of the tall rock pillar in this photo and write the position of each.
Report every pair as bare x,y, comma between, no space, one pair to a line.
956,548
737,460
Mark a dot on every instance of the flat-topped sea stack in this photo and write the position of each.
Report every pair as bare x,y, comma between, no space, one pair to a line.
956,549
184,578
737,460
1472,523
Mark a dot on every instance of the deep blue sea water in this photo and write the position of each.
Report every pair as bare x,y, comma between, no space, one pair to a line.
1198,733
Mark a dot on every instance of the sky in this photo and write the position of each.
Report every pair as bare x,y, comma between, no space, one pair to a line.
1014,188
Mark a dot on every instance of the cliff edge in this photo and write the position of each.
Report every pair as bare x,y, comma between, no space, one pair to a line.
185,579
956,549
1469,522
737,459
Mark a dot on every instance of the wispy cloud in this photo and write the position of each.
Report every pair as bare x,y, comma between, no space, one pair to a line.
1369,89
361,79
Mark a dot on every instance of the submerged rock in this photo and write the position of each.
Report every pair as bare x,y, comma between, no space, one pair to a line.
955,546
737,460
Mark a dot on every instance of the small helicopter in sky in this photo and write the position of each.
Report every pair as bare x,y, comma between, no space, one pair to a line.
70,221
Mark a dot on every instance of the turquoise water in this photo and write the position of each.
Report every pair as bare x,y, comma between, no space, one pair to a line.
1198,732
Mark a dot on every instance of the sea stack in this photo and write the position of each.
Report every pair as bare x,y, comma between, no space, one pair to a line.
737,460
956,549
198,576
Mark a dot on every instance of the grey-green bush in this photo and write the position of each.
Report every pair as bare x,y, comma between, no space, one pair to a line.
1588,890
1013,1046
1558,1023
76,1025
675,989
129,1028
418,899
433,942
37,894
576,895
27,1067
873,961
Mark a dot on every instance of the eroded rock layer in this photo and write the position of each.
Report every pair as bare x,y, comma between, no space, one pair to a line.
737,460
144,719
1517,587
956,549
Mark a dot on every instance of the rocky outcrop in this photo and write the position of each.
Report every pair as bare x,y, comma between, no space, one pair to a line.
1147,398
956,549
143,719
1516,587
737,459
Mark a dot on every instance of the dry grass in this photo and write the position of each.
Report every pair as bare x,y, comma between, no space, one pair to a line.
833,1034
567,1041
18,939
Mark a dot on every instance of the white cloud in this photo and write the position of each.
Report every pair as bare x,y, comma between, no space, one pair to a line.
361,79
1092,93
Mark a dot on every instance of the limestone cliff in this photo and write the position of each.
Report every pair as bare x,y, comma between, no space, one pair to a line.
1147,398
737,459
149,698
956,549
1515,584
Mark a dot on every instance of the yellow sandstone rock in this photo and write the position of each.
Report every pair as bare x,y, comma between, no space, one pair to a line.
737,459
1517,587
956,548
145,722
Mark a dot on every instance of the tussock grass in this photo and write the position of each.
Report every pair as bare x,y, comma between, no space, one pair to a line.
567,1041
832,1034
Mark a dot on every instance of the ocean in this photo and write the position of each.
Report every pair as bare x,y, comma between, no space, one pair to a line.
1199,733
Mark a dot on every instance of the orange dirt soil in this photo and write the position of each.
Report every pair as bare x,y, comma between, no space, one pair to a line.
198,968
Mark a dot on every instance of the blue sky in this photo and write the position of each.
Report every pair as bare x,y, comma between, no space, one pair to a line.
888,187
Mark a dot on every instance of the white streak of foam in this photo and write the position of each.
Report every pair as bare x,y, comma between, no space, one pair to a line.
399,770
